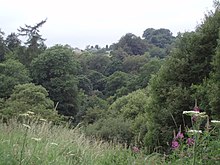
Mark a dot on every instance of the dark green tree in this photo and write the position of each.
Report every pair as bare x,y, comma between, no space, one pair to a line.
116,81
12,73
132,44
12,41
35,42
56,70
98,63
158,37
3,47
171,89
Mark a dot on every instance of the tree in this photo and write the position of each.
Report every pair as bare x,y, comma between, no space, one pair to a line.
132,45
132,64
171,88
116,81
146,72
214,95
12,73
56,70
12,41
158,37
3,48
98,63
35,42
29,97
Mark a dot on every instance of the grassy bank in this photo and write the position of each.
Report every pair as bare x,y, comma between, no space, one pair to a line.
44,144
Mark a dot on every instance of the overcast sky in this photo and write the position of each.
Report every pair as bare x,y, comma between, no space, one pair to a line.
89,22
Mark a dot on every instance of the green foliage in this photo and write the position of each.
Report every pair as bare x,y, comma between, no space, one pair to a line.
12,41
131,105
116,81
97,79
158,37
35,42
56,70
125,121
98,63
132,45
91,109
29,97
12,73
146,72
134,107
48,144
171,89
111,129
157,52
214,93
85,84
3,48
132,64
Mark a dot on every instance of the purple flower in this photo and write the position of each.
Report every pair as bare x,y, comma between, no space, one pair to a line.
179,135
190,141
175,144
196,108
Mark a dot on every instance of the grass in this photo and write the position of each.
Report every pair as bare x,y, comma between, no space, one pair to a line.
42,143
45,144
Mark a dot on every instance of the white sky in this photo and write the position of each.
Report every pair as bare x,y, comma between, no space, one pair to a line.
89,22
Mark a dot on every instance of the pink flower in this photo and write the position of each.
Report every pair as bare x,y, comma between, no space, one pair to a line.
196,108
179,135
175,144
135,149
190,141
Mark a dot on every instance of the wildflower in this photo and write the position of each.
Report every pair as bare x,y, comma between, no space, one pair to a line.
190,141
27,126
179,135
196,109
190,113
216,122
194,131
36,139
135,149
202,115
175,144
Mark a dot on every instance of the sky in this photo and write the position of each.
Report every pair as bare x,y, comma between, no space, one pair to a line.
79,23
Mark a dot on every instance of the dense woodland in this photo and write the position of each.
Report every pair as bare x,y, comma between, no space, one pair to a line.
133,91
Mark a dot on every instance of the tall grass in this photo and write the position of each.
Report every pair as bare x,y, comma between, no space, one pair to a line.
45,144
42,143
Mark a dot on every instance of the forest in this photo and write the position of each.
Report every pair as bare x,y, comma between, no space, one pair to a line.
132,92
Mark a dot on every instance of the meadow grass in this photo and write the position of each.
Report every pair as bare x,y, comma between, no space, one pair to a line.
44,144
